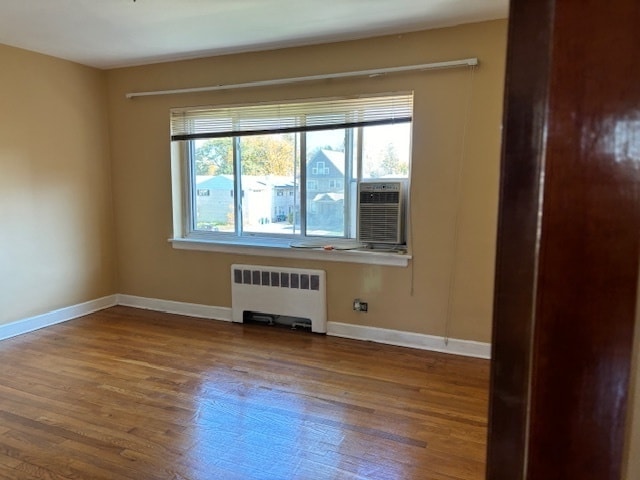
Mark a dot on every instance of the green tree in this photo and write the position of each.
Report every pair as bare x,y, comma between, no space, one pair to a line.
260,155
390,164
214,157
267,154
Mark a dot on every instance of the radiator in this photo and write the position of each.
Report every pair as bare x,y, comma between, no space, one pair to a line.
290,292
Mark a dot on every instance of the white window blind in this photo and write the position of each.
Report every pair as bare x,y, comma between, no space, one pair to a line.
212,122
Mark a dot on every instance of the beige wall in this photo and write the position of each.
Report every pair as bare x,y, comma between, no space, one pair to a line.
149,267
56,228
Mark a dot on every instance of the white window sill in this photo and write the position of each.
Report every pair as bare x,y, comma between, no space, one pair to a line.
283,250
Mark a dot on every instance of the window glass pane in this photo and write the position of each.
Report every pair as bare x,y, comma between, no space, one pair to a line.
213,185
386,150
326,183
270,185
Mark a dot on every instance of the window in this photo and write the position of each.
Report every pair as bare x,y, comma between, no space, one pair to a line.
315,151
320,169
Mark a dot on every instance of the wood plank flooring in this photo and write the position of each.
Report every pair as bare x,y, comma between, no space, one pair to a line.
134,394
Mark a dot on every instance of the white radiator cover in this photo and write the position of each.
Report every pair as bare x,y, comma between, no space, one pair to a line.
293,292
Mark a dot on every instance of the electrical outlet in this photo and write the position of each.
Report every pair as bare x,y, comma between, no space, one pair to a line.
360,306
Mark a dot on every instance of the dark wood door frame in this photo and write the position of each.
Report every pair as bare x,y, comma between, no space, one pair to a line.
568,241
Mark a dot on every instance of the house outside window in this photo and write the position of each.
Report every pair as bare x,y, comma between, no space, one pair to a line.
312,173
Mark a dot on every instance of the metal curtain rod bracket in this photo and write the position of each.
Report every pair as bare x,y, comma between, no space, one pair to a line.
467,62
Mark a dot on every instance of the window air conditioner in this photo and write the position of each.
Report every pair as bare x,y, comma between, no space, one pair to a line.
380,212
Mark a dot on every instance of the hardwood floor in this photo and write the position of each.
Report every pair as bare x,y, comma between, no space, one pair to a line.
134,394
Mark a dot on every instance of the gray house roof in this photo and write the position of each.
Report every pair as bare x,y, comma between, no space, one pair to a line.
215,182
332,158
329,197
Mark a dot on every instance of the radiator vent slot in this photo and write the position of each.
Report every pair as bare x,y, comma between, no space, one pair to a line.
279,291
303,281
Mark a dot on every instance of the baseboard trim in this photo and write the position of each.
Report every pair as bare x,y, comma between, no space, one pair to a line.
399,338
180,308
37,322
345,330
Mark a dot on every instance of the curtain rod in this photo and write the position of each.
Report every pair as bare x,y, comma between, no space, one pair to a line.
470,62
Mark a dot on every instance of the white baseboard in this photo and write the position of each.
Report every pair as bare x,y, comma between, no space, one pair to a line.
56,316
399,338
180,308
357,332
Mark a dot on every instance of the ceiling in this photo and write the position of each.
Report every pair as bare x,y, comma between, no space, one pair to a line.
115,33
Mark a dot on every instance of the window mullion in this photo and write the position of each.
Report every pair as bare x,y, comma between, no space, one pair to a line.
303,185
237,181
348,169
189,220
358,177
359,155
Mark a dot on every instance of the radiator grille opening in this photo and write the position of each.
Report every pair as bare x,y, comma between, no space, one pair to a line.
265,318
277,279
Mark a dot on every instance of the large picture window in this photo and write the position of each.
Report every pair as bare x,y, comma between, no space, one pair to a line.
288,170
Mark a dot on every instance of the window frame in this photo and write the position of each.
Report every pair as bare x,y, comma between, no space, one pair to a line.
186,228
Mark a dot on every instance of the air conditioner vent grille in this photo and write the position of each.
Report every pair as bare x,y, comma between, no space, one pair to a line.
380,214
379,223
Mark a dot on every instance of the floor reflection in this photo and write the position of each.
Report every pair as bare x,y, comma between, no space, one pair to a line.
241,430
